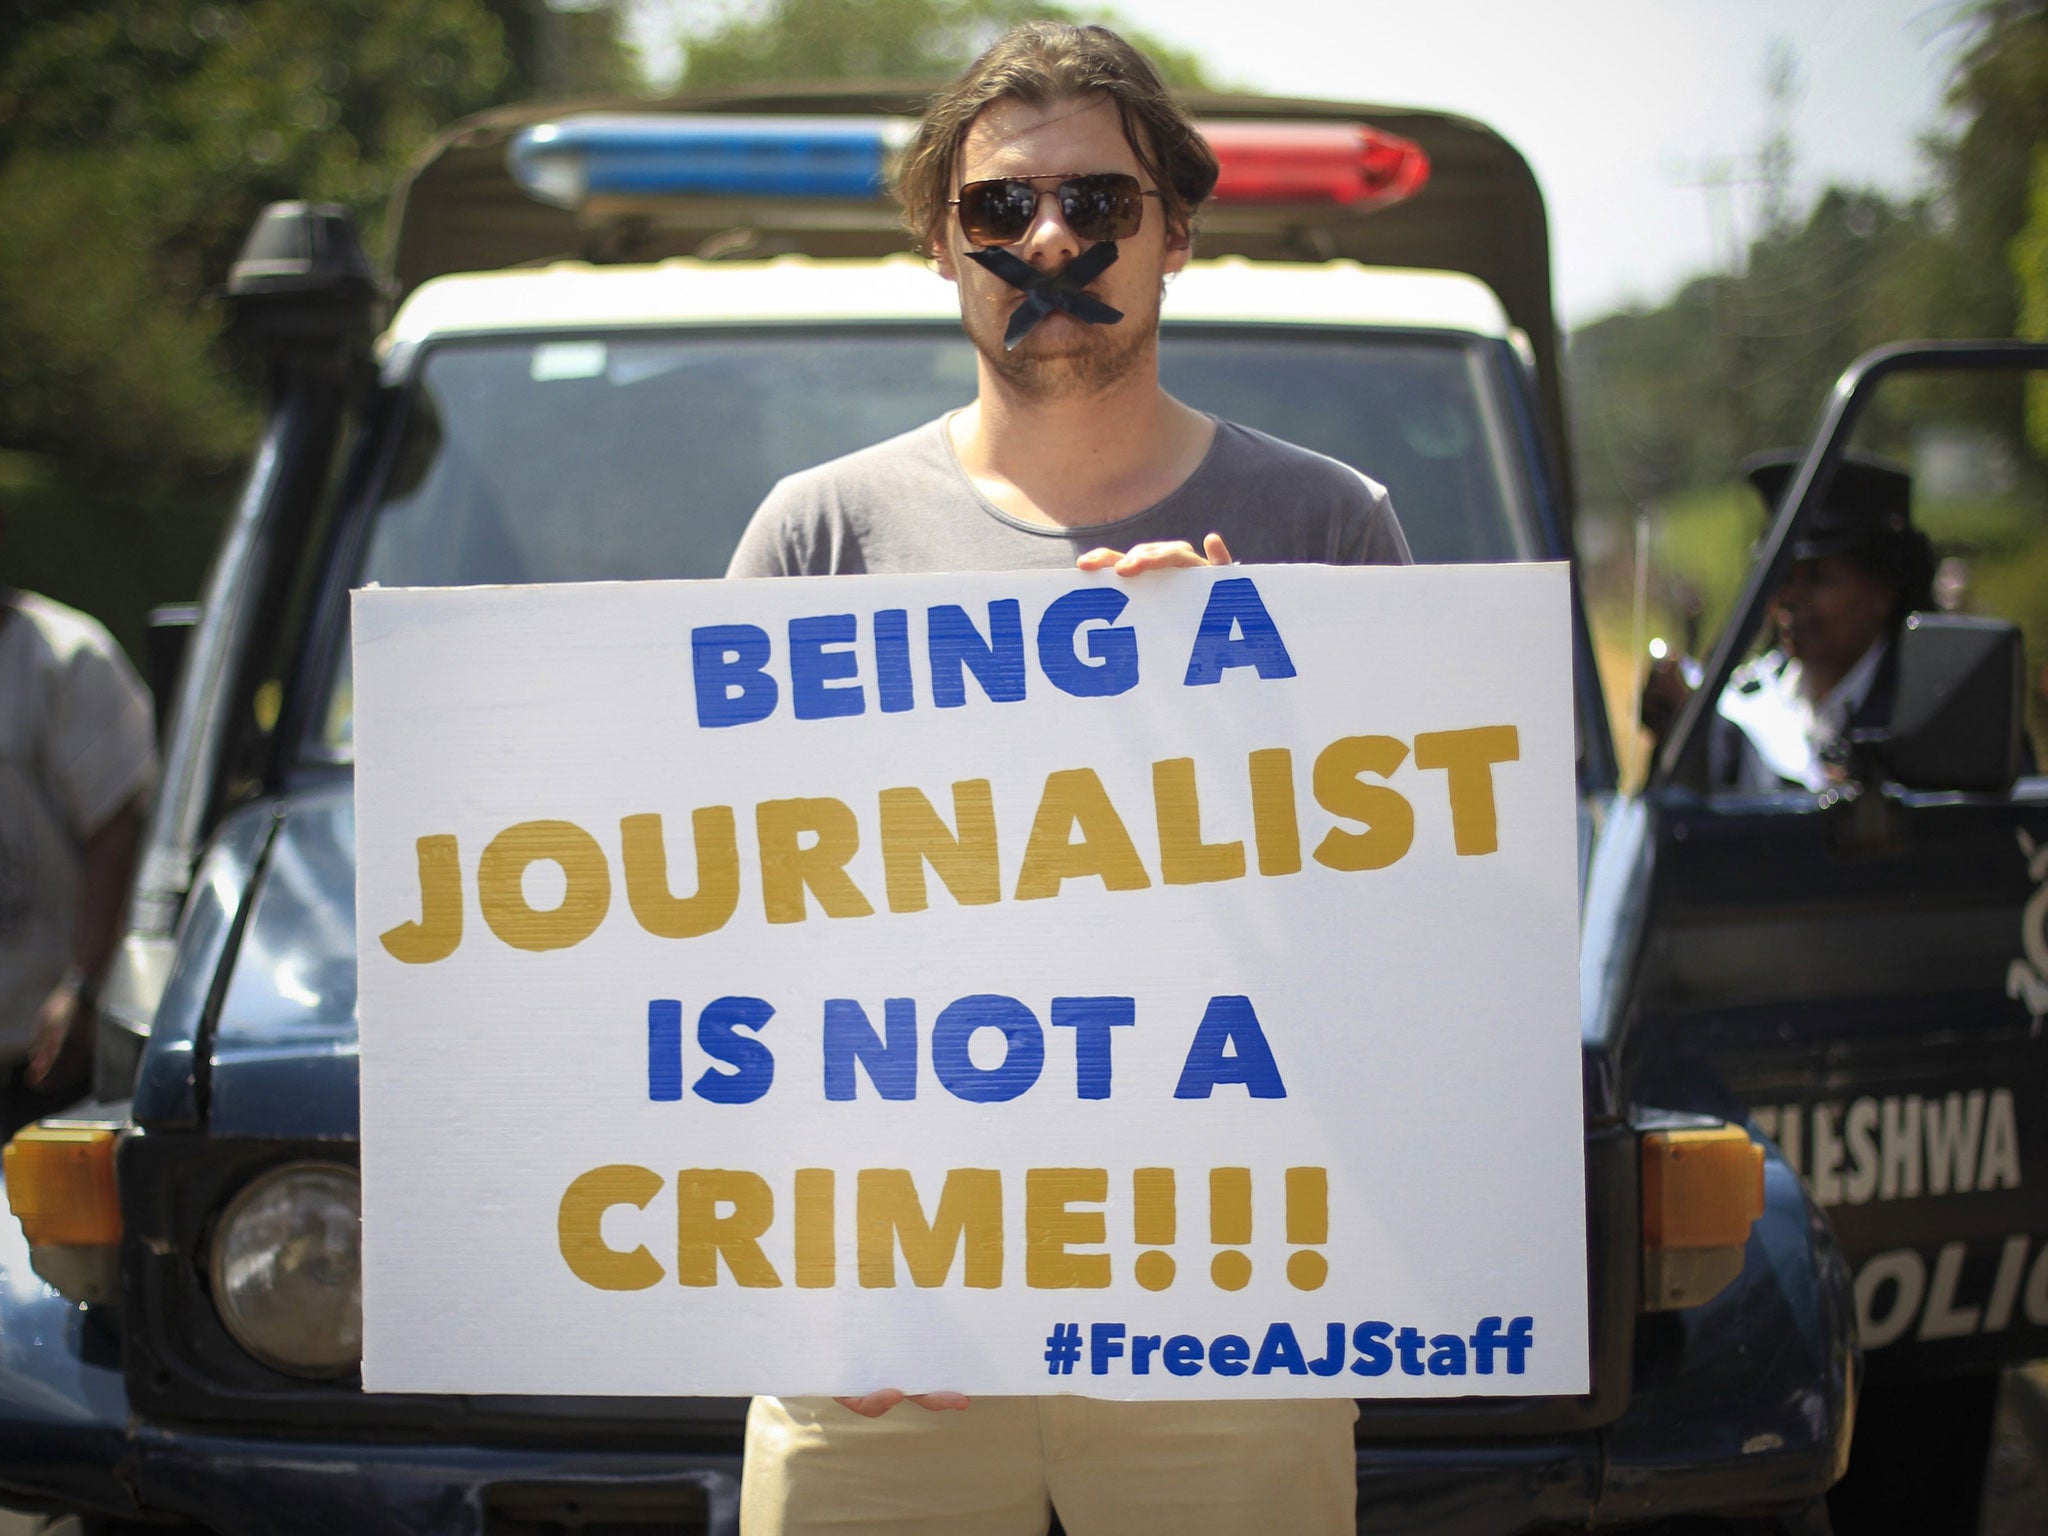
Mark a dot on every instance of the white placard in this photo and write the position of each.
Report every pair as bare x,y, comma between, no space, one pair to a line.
1014,983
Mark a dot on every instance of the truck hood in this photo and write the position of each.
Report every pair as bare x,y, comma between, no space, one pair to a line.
283,1052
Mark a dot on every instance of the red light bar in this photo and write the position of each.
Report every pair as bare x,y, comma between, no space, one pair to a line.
1347,163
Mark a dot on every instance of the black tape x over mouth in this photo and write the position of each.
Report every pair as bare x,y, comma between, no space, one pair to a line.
1045,292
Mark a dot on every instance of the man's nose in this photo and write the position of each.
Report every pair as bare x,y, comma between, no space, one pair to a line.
1048,244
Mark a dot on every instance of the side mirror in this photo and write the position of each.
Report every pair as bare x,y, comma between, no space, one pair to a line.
168,636
1956,717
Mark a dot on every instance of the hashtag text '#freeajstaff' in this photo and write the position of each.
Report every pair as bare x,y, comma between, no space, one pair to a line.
1062,1349
1371,1348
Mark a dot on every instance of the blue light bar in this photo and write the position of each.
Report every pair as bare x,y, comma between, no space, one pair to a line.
617,155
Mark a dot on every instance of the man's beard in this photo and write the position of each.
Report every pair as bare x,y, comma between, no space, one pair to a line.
1085,360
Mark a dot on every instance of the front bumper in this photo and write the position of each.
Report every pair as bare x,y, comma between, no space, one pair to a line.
1740,1405
251,1487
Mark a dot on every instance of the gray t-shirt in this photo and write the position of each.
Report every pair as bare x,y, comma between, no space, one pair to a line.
906,506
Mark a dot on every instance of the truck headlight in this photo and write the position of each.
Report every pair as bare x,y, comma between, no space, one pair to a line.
288,1269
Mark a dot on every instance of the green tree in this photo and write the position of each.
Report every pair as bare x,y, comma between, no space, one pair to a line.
138,139
2001,88
566,48
921,40
1670,398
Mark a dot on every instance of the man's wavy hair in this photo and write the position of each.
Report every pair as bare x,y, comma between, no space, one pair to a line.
1041,62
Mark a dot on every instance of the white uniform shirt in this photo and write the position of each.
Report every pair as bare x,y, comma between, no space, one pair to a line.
1788,735
76,744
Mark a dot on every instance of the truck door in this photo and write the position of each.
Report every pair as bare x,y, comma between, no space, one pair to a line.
1865,967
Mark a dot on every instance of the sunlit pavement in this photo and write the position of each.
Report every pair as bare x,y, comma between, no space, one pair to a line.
2015,1498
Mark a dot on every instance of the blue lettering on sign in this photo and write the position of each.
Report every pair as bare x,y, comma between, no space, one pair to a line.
956,648
1374,1358
664,1050
1230,1047
1280,1351
730,664
752,1062
1081,650
1115,649
1409,1342
850,1038
1091,1019
894,689
820,653
1332,1360
1228,1353
1105,1343
1023,1048
1236,631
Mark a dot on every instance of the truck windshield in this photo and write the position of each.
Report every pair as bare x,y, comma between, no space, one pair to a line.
607,459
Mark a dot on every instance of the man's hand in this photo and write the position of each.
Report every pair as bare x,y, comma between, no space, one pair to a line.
1161,556
875,1404
62,1061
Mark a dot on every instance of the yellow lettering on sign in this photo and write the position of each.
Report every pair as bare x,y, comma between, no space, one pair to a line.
1275,826
439,930
914,834
1184,859
970,1216
817,1254
1074,797
659,910
789,868
579,1223
500,885
704,1235
1468,756
1389,819
1050,1227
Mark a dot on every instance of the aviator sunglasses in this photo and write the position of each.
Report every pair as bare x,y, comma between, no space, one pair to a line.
1102,205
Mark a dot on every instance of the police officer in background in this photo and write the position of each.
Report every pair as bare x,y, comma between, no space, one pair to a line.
1859,566
77,763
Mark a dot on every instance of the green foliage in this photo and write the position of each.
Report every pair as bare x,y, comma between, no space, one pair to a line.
560,48
138,140
1666,401
2001,87
1672,398
1860,270
926,40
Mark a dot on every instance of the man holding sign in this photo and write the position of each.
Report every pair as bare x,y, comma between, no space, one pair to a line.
1056,184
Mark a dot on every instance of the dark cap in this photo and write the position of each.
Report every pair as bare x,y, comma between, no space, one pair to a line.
1869,506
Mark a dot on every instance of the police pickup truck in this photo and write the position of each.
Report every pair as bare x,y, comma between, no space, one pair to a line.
1813,1096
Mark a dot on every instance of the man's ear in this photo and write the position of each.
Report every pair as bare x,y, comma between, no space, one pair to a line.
1179,248
942,259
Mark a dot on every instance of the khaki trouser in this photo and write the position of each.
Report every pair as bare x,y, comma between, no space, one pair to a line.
1112,1469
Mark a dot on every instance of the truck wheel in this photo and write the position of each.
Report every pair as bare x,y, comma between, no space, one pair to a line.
1918,1458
